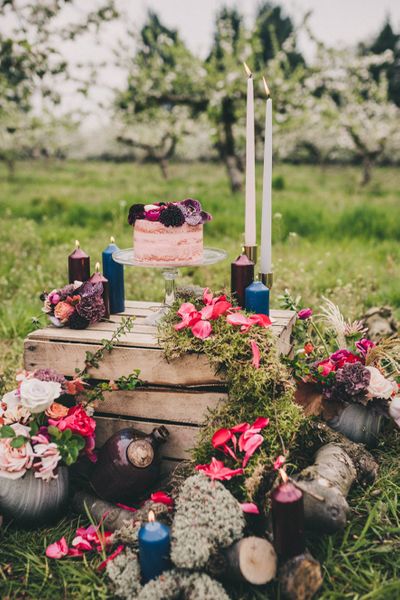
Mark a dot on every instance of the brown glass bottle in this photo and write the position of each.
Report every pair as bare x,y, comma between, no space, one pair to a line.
128,465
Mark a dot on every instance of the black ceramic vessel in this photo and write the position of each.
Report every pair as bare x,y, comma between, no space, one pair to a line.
128,465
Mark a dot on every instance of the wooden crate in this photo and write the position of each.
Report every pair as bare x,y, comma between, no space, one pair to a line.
177,394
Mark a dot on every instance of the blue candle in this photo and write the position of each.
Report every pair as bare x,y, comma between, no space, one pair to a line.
154,543
257,298
114,273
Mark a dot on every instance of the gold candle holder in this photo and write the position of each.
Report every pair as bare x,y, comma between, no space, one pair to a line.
251,253
267,279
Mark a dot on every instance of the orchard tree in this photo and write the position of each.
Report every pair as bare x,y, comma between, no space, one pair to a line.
32,69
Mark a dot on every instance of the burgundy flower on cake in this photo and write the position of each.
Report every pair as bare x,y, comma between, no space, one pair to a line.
192,212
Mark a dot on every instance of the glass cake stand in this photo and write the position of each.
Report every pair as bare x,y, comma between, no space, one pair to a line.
169,272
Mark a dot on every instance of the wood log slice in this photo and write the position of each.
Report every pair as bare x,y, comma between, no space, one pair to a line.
251,559
300,577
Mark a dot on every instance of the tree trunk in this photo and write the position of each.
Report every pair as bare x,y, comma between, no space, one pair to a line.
300,577
366,170
10,163
235,176
326,484
227,146
163,162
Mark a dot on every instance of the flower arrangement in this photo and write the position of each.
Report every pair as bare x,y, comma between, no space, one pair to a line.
38,431
343,365
170,214
76,305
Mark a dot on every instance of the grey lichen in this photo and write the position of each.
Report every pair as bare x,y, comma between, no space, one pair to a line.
207,518
181,584
124,573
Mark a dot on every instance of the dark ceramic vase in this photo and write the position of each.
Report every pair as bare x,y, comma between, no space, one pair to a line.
128,465
359,423
32,502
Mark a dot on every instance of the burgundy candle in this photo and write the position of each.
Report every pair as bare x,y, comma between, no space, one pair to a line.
242,275
97,277
288,520
78,265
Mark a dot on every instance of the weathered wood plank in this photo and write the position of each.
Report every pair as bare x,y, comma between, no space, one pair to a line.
95,336
181,437
161,403
121,362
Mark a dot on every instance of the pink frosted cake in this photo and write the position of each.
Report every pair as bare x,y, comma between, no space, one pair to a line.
168,232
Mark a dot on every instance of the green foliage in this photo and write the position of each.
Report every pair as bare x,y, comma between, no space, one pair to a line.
69,444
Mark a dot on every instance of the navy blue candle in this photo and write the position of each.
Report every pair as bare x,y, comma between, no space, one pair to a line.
154,546
257,298
114,273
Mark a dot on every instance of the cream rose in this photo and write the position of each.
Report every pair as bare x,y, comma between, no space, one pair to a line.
394,410
38,395
14,462
379,386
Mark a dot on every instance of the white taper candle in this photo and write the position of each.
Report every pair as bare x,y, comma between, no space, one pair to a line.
266,218
250,211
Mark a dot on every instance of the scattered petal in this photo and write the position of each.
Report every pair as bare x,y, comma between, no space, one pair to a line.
162,498
250,508
256,354
279,462
202,330
117,551
125,507
251,446
57,549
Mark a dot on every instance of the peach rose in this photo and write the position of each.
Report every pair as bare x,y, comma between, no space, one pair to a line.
56,411
63,311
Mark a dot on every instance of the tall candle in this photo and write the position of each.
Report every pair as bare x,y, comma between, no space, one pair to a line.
78,265
288,520
242,274
250,238
154,546
97,277
114,272
266,218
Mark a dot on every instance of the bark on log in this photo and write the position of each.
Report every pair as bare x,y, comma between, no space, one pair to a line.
364,463
251,559
326,484
115,515
300,577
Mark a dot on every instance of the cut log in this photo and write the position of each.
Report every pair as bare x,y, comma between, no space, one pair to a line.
326,484
364,463
251,559
300,577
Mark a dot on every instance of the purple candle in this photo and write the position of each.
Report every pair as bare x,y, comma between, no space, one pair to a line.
288,520
242,274
97,277
78,265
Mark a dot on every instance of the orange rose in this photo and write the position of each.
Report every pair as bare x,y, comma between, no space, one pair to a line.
308,348
63,311
56,411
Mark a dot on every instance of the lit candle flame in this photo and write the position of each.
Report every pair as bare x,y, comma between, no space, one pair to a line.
151,516
77,244
248,71
112,239
283,475
266,88
97,267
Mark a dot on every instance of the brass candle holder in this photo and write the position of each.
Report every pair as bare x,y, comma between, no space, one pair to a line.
251,253
267,279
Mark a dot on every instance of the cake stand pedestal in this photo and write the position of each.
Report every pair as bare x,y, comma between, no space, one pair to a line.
169,272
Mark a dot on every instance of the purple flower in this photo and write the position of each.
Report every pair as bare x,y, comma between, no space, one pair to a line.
351,384
304,314
364,345
136,211
50,375
192,212
91,305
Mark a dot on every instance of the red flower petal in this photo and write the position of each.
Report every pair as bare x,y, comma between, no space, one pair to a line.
260,423
125,507
74,552
251,446
162,498
57,549
250,507
238,319
240,428
207,296
117,551
220,308
217,470
81,543
186,308
221,437
261,320
207,312
202,329
256,354
279,462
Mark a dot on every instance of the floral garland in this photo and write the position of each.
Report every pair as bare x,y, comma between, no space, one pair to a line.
76,305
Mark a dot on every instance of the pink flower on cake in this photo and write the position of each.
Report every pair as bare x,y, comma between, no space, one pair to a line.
38,395
379,386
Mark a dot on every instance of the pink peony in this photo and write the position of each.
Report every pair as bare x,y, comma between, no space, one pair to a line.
304,314
77,421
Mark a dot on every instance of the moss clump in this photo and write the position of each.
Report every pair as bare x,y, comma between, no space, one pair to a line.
207,518
180,584
124,573
267,391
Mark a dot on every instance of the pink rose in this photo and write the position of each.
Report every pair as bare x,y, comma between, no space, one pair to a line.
379,386
14,462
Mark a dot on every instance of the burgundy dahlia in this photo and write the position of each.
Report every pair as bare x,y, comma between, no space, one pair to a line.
136,211
172,216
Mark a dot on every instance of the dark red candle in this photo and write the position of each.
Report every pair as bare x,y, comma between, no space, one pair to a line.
288,520
97,277
78,265
242,275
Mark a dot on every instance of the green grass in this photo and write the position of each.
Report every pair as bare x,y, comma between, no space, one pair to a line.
331,238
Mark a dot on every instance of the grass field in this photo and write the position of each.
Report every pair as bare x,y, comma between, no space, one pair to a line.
331,238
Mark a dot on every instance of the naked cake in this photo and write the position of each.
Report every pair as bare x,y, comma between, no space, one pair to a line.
168,232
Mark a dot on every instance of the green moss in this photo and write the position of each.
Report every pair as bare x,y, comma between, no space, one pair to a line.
267,391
